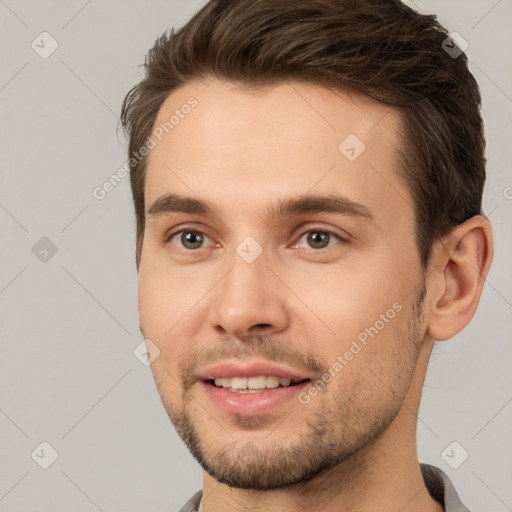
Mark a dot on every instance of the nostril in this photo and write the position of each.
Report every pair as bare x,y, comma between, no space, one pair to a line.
260,326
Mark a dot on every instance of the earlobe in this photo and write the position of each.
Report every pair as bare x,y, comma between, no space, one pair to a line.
462,261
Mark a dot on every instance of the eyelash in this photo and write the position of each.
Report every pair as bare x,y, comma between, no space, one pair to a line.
171,235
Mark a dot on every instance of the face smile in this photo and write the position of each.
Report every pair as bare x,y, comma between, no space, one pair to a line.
268,255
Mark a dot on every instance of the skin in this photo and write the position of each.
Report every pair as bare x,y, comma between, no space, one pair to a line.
353,446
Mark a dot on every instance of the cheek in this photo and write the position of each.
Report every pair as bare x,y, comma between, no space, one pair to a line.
158,316
376,373
166,296
342,301
171,305
152,302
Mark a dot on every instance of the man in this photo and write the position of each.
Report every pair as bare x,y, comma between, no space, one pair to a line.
307,178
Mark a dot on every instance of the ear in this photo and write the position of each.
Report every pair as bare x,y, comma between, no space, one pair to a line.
461,263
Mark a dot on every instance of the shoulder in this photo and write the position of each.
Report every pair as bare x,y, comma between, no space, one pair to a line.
192,504
441,488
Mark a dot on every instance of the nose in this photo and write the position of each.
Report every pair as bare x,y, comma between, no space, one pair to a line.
249,301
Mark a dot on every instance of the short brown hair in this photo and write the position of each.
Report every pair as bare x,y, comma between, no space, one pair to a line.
380,48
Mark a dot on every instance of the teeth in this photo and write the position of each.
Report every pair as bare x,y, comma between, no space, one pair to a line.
238,382
272,382
252,383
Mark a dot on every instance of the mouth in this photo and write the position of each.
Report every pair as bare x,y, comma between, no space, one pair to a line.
250,388
257,384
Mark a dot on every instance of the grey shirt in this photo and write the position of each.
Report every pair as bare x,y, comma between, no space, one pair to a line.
436,481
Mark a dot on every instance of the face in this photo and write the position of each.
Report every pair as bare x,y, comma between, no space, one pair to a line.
279,250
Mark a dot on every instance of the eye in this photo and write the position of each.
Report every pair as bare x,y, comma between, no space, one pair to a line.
318,239
189,239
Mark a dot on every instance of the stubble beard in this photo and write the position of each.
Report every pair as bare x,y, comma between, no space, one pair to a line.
330,438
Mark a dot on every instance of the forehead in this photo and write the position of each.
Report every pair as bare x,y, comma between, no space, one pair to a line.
256,145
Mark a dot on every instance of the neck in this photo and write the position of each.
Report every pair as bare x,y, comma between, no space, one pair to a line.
384,476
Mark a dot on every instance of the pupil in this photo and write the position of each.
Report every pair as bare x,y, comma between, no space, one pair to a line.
318,239
191,239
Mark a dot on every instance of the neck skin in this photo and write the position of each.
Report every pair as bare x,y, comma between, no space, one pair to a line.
384,476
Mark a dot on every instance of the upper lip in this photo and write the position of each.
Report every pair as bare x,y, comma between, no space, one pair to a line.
232,369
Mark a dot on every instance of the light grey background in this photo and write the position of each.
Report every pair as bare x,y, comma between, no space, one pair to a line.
68,373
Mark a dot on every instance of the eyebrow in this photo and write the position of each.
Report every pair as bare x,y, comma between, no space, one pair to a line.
331,203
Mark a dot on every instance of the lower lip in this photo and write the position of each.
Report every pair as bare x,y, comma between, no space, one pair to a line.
250,404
